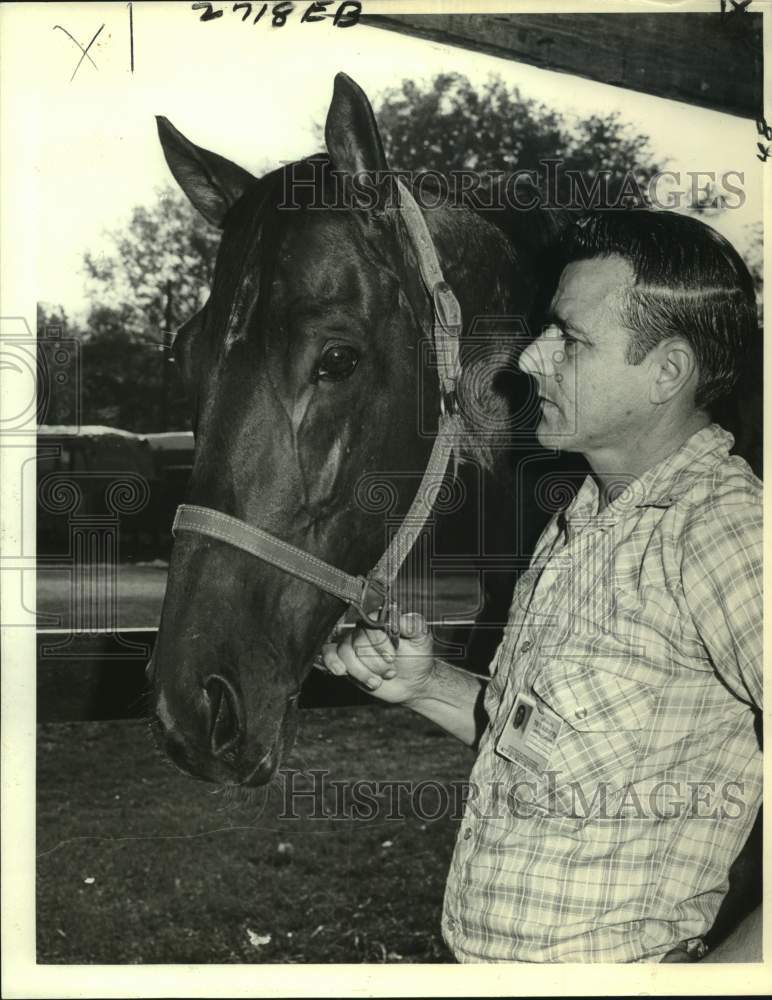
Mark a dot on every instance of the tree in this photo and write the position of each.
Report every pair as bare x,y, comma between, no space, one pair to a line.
448,125
156,276
165,245
100,373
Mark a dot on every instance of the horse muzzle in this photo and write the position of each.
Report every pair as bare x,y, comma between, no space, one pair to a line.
214,744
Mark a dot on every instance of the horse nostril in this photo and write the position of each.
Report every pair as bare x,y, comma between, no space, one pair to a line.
224,726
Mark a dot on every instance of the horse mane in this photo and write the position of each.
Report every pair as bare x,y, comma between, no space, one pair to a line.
525,264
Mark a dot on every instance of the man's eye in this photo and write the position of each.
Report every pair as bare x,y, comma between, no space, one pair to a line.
336,363
558,333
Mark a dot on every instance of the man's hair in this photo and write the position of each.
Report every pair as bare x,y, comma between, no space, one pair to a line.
689,282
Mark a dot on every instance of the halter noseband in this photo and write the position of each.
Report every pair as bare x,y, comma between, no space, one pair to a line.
369,597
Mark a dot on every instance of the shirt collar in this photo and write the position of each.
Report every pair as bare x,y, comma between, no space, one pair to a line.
659,486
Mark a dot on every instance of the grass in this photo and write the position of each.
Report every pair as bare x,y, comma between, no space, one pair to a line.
137,863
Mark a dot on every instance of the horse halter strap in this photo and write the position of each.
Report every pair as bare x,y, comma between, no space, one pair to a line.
370,597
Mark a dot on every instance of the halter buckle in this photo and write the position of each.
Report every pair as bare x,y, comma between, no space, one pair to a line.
376,609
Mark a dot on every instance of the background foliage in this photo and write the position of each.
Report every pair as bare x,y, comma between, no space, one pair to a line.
158,268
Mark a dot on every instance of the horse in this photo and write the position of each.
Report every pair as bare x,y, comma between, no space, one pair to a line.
305,375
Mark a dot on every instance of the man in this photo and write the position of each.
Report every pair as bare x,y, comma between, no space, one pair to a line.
619,773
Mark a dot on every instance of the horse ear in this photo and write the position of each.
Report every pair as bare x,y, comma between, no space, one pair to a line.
351,132
211,182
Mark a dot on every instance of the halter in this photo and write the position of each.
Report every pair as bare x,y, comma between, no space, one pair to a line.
369,597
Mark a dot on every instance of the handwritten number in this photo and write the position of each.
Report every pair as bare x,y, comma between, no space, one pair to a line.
346,15
281,11
209,14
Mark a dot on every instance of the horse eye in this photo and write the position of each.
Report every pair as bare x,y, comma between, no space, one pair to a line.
337,362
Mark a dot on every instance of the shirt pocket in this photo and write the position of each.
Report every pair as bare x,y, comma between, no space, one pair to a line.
604,717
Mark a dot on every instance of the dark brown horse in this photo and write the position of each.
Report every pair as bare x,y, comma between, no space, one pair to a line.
304,371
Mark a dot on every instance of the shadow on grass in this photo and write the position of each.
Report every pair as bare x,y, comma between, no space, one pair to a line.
137,863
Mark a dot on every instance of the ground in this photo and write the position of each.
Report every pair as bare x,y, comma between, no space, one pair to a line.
137,863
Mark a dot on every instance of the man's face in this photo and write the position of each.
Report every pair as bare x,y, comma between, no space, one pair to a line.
593,401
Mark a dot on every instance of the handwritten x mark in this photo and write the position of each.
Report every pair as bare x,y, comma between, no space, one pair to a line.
84,51
738,6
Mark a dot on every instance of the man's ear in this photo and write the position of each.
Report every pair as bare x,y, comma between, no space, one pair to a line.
352,136
674,365
211,182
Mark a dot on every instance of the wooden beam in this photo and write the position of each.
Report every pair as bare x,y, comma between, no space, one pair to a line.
711,60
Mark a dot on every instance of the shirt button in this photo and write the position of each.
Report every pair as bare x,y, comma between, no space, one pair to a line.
467,833
581,713
526,646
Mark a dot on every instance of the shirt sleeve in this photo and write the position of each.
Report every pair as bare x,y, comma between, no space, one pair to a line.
722,574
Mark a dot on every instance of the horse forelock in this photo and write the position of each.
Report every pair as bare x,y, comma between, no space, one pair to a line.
258,223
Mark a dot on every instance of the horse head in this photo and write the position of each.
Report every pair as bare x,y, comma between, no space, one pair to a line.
304,374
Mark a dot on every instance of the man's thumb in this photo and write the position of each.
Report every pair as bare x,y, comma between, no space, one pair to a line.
413,626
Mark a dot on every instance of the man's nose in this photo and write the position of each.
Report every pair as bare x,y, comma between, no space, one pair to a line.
542,356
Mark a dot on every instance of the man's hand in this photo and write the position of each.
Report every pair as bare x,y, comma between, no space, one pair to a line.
412,676
368,658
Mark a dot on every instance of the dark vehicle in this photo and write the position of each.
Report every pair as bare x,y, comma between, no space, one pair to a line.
107,476
172,453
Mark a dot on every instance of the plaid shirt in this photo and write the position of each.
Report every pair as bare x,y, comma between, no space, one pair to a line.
620,773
